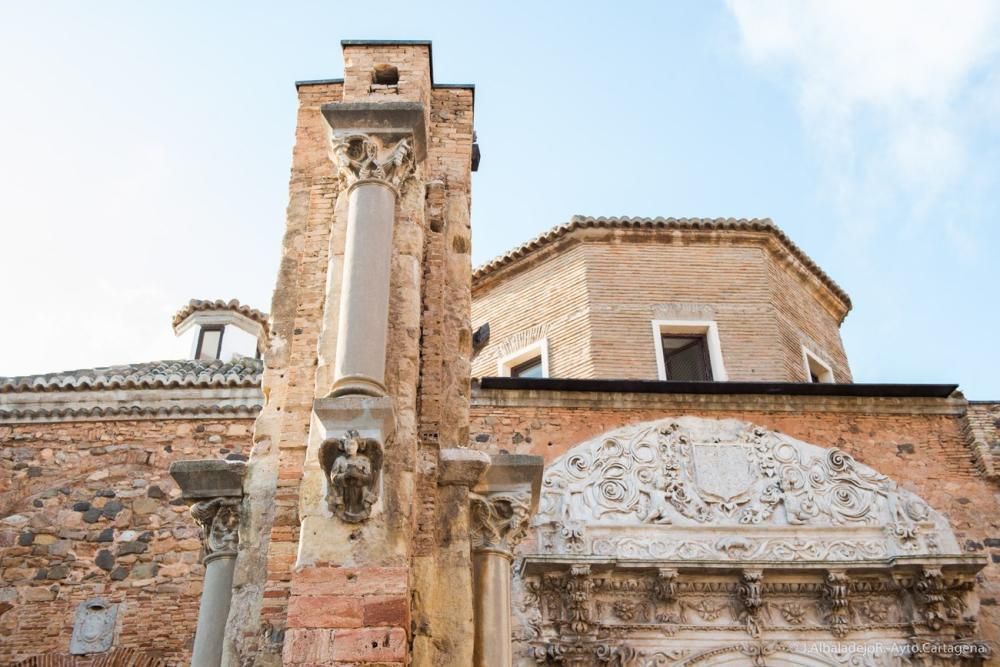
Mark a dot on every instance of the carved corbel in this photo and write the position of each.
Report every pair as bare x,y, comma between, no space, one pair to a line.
751,598
836,588
353,467
578,585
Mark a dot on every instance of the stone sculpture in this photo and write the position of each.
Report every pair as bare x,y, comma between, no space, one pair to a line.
352,465
93,627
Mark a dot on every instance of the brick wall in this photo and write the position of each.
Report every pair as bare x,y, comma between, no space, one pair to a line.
919,443
595,292
90,511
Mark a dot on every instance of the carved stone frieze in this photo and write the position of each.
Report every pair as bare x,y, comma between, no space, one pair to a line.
219,519
364,157
353,467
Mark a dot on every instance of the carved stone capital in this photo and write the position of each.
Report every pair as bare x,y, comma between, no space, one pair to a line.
499,520
219,519
215,489
504,501
364,157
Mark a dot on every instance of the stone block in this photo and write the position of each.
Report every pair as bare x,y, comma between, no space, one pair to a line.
208,478
354,581
325,611
387,610
370,645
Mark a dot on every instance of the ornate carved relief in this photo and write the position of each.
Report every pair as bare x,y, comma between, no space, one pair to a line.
499,520
353,467
219,519
702,542
93,627
361,157
697,475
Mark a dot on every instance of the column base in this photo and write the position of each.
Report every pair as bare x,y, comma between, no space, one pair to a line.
357,385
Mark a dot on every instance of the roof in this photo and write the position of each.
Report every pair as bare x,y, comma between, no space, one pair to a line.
579,222
241,372
195,305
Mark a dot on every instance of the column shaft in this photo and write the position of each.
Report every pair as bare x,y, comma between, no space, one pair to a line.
491,578
359,367
216,595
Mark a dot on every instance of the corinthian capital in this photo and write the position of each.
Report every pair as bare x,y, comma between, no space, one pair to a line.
219,519
499,520
365,157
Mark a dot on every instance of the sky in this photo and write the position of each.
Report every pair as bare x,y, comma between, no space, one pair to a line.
145,152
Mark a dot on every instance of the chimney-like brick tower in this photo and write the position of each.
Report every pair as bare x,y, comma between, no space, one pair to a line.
354,546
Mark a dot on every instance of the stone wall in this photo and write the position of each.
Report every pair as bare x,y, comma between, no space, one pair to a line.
594,292
89,510
920,443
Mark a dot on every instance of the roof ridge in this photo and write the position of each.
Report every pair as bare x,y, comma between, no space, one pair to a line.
168,373
195,305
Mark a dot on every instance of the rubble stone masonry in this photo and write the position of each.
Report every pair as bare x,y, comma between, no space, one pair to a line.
89,511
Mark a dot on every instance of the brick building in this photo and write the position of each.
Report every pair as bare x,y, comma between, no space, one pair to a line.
660,458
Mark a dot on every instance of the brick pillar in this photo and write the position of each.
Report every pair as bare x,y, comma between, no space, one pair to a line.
340,546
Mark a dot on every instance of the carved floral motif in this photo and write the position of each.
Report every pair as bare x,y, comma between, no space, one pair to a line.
696,474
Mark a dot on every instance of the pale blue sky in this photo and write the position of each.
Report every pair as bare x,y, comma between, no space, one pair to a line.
145,149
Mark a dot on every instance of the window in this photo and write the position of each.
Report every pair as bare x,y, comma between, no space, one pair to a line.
685,358
688,351
531,368
531,361
817,370
209,343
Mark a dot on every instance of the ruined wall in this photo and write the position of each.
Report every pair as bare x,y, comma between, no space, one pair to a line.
920,443
90,511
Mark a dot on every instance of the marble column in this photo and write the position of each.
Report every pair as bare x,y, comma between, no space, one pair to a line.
372,168
501,506
215,489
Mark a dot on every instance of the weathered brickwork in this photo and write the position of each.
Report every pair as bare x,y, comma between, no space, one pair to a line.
919,443
427,376
90,511
595,293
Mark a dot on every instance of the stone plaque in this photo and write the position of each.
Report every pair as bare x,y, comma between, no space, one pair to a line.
93,627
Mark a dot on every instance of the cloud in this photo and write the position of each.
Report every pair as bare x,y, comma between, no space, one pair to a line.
887,90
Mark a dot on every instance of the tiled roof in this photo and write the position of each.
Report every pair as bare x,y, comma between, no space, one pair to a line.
241,372
234,305
706,224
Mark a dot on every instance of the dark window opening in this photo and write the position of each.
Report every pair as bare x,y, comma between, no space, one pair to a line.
685,358
529,369
813,377
209,343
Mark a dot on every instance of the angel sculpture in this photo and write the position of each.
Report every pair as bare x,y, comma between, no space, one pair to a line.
352,476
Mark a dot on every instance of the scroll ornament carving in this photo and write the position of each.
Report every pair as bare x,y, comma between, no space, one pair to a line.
219,519
499,520
353,466
697,475
363,157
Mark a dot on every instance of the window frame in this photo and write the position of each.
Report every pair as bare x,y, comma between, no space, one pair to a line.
810,361
201,339
539,348
707,328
